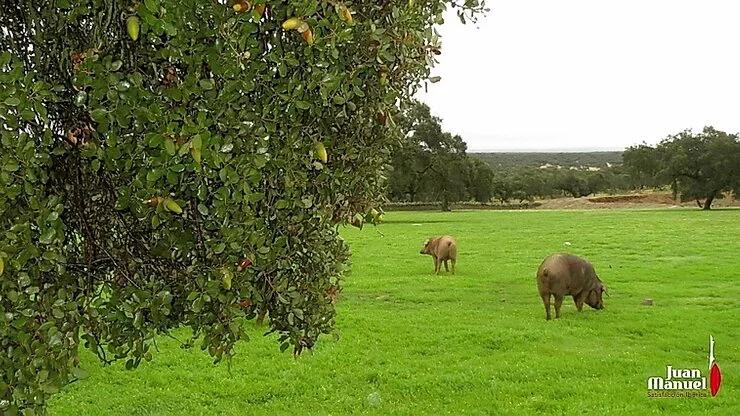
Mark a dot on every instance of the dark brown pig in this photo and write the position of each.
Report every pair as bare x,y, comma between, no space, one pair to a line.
441,249
565,274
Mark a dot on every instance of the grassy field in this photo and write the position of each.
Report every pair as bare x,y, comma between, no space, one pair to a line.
411,343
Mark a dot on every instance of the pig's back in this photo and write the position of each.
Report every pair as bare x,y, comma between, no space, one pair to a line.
564,272
447,248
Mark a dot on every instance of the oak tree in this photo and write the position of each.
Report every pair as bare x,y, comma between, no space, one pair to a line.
168,163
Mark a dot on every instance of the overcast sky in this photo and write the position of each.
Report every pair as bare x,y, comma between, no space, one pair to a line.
588,74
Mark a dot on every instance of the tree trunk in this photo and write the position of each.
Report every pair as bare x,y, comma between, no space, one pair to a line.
445,203
708,203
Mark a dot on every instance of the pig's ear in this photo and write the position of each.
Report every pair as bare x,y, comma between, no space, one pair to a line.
603,289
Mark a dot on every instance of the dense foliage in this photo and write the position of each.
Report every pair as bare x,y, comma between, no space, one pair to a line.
510,160
432,165
188,162
696,165
530,183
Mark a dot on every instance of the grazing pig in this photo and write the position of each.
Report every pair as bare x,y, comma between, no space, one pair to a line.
441,249
565,274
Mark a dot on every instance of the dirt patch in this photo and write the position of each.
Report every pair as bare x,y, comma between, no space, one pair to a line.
645,200
640,198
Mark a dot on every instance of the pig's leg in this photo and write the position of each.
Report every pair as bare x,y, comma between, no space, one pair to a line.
546,301
447,269
558,303
437,265
453,265
578,300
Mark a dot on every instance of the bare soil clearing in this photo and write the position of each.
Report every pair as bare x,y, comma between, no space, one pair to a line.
645,200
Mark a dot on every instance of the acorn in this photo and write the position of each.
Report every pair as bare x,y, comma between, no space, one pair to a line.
382,118
244,264
245,303
259,10
320,152
241,6
308,36
172,206
226,277
345,14
132,27
154,201
292,23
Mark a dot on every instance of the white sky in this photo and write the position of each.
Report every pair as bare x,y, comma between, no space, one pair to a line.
588,74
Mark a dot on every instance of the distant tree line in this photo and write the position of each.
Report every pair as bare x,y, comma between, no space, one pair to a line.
698,166
511,160
530,183
431,165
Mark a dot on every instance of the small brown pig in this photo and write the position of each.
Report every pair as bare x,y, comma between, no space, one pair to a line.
441,249
565,274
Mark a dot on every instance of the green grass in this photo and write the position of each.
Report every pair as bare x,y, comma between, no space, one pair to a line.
412,343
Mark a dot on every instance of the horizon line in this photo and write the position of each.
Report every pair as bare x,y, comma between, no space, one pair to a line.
567,150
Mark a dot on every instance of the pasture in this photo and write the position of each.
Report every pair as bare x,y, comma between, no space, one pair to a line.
411,343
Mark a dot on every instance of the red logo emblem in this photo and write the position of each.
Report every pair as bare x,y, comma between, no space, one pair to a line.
715,376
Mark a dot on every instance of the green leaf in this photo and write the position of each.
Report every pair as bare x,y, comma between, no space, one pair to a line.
152,5
12,101
169,145
28,115
11,165
170,29
303,105
197,142
47,236
207,84
99,114
79,373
